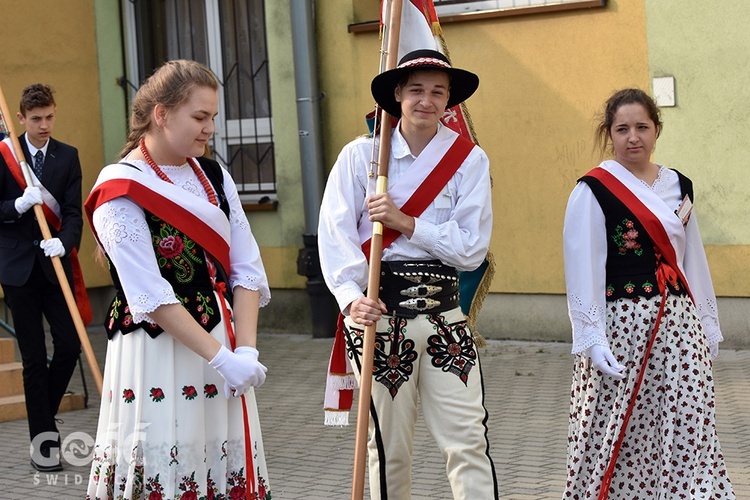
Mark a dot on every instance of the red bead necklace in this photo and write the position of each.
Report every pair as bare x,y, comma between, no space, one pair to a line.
196,169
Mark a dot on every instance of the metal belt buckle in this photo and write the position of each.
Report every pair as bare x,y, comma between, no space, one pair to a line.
419,304
421,291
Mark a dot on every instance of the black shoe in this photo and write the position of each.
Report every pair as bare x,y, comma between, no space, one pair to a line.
55,467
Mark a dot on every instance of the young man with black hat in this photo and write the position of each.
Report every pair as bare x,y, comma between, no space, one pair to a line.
424,349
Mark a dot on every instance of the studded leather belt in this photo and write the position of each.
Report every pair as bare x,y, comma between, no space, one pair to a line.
409,288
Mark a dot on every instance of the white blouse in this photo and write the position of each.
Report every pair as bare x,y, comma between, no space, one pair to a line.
455,228
585,252
123,232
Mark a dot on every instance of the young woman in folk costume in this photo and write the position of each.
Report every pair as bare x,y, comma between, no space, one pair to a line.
645,324
178,414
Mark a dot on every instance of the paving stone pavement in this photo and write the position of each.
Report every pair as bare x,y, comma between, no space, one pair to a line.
528,385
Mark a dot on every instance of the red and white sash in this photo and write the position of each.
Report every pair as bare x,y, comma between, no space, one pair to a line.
202,221
53,215
657,218
421,183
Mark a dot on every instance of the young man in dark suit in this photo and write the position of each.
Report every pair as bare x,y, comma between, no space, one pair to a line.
27,276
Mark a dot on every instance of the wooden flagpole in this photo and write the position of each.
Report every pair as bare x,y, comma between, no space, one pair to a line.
391,36
59,271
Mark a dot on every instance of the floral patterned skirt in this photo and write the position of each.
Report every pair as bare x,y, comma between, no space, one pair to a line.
670,449
167,431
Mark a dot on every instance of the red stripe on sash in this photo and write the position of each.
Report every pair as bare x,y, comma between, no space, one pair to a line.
429,189
13,165
250,483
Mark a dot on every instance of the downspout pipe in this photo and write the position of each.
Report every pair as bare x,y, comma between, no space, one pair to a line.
322,304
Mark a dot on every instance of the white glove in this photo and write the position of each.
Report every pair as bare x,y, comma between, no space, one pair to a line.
237,372
250,354
31,196
604,361
714,348
52,247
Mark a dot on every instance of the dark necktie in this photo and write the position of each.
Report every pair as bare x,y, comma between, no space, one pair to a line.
38,162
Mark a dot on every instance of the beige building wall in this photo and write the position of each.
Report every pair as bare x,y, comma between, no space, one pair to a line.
543,78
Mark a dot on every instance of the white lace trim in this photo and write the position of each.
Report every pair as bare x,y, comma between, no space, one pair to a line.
708,312
146,303
238,219
661,183
255,284
588,324
182,176
586,332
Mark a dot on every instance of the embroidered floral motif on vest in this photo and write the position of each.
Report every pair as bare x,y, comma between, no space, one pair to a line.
182,263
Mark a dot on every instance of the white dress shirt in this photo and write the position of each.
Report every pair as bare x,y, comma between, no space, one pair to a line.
455,228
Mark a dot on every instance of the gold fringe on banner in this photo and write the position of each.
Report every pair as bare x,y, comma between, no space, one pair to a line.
476,305
436,29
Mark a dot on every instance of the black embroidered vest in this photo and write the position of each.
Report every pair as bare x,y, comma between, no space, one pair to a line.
631,259
182,262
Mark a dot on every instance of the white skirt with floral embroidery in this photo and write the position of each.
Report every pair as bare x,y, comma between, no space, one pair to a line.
167,431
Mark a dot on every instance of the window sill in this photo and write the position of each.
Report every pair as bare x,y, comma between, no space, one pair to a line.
264,204
369,26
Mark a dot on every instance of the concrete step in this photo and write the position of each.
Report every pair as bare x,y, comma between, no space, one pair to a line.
11,379
7,350
14,407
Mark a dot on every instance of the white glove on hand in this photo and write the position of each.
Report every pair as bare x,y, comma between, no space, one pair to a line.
238,372
604,361
52,247
714,348
250,354
31,196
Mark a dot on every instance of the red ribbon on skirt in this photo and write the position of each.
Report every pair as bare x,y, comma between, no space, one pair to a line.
664,274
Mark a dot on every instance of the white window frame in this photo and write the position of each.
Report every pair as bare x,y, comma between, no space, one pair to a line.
470,6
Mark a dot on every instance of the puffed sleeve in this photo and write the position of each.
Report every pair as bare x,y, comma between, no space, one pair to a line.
121,228
342,261
247,270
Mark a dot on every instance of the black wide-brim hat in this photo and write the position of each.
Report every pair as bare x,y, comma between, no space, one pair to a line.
462,83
